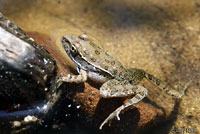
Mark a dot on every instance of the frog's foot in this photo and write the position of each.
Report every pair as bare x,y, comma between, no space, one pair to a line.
165,87
82,77
175,93
181,92
110,117
115,88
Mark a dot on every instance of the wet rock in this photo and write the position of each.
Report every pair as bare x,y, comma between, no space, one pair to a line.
26,69
26,73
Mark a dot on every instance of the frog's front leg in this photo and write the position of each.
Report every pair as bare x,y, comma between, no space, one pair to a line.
82,77
115,88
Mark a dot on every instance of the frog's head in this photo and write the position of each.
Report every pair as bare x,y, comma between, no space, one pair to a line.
73,46
68,42
72,43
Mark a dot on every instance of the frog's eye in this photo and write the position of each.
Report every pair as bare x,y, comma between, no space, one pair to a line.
73,49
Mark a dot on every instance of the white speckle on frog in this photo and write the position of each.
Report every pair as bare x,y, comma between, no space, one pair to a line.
95,63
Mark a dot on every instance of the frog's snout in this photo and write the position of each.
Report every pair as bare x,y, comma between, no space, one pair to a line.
64,40
65,43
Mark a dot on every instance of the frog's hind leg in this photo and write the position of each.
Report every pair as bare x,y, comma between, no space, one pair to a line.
165,87
115,88
139,74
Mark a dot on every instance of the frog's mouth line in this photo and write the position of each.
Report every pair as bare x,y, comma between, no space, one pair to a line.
85,65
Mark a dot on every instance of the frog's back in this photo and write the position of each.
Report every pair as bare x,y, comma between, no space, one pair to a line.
99,58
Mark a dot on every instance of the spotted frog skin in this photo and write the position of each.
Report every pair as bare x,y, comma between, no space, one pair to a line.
95,63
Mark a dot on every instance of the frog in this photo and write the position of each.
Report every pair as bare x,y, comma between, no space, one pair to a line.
95,63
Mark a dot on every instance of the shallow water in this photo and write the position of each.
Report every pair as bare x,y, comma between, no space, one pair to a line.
161,37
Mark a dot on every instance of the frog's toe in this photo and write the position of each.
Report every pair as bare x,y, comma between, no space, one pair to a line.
110,117
117,115
58,82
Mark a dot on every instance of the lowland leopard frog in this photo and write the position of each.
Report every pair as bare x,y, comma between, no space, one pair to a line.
95,63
